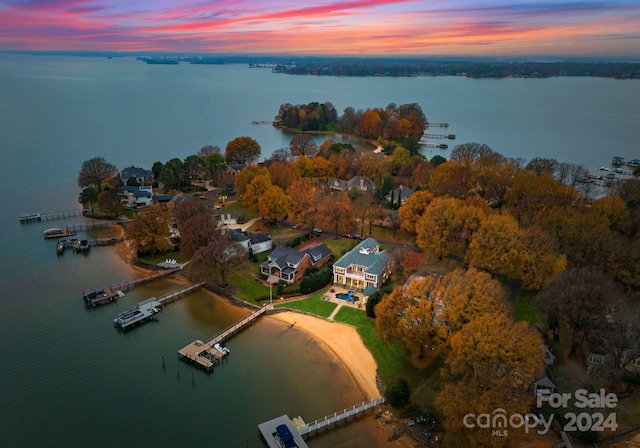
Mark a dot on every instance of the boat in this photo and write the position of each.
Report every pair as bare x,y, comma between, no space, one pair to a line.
142,313
95,297
81,246
59,232
222,348
61,246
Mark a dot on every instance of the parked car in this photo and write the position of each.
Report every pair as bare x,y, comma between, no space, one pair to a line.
317,230
347,235
358,237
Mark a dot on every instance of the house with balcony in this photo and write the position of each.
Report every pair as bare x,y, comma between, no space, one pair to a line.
363,267
290,265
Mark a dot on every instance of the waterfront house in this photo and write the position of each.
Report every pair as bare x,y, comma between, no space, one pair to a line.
364,266
399,195
137,196
289,265
257,242
359,182
139,175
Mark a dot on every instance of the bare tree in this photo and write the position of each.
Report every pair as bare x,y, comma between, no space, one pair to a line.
96,173
303,145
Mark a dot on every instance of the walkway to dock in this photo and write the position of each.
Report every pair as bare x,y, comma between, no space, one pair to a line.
173,296
35,217
123,286
204,354
309,430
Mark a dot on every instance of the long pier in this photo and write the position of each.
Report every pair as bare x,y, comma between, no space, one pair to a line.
206,354
141,280
447,136
108,294
173,296
271,431
309,430
35,217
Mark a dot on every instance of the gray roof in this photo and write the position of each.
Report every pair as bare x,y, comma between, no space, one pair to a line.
363,183
137,192
400,193
366,254
134,171
257,238
318,253
284,256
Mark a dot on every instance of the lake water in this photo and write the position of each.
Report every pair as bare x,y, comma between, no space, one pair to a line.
67,377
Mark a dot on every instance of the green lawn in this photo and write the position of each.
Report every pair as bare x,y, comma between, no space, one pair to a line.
249,287
526,309
313,304
391,357
340,246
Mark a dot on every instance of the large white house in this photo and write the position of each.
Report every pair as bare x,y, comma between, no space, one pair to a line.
362,267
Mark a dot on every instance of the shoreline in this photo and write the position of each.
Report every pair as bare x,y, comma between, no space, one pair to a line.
343,343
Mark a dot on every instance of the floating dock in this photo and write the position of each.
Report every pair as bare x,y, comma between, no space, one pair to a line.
30,217
301,431
281,432
95,297
146,310
206,354
142,313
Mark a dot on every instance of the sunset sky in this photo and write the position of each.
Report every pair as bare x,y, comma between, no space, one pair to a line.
352,27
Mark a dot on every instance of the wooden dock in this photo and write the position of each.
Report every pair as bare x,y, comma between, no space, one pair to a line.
308,430
36,217
173,296
123,286
204,354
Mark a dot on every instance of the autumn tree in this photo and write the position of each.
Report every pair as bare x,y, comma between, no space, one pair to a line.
413,209
536,257
302,197
373,166
305,167
194,219
530,195
213,263
242,150
303,145
274,204
258,186
336,212
282,173
493,247
246,175
370,124
195,168
435,229
96,172
400,158
110,200
467,294
148,231
467,222
492,363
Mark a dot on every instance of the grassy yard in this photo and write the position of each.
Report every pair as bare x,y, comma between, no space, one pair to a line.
391,357
526,309
340,246
313,304
249,287
386,233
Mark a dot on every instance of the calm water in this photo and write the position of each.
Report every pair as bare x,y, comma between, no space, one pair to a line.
66,377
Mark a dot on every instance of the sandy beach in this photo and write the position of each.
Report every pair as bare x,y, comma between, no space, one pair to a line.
343,342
